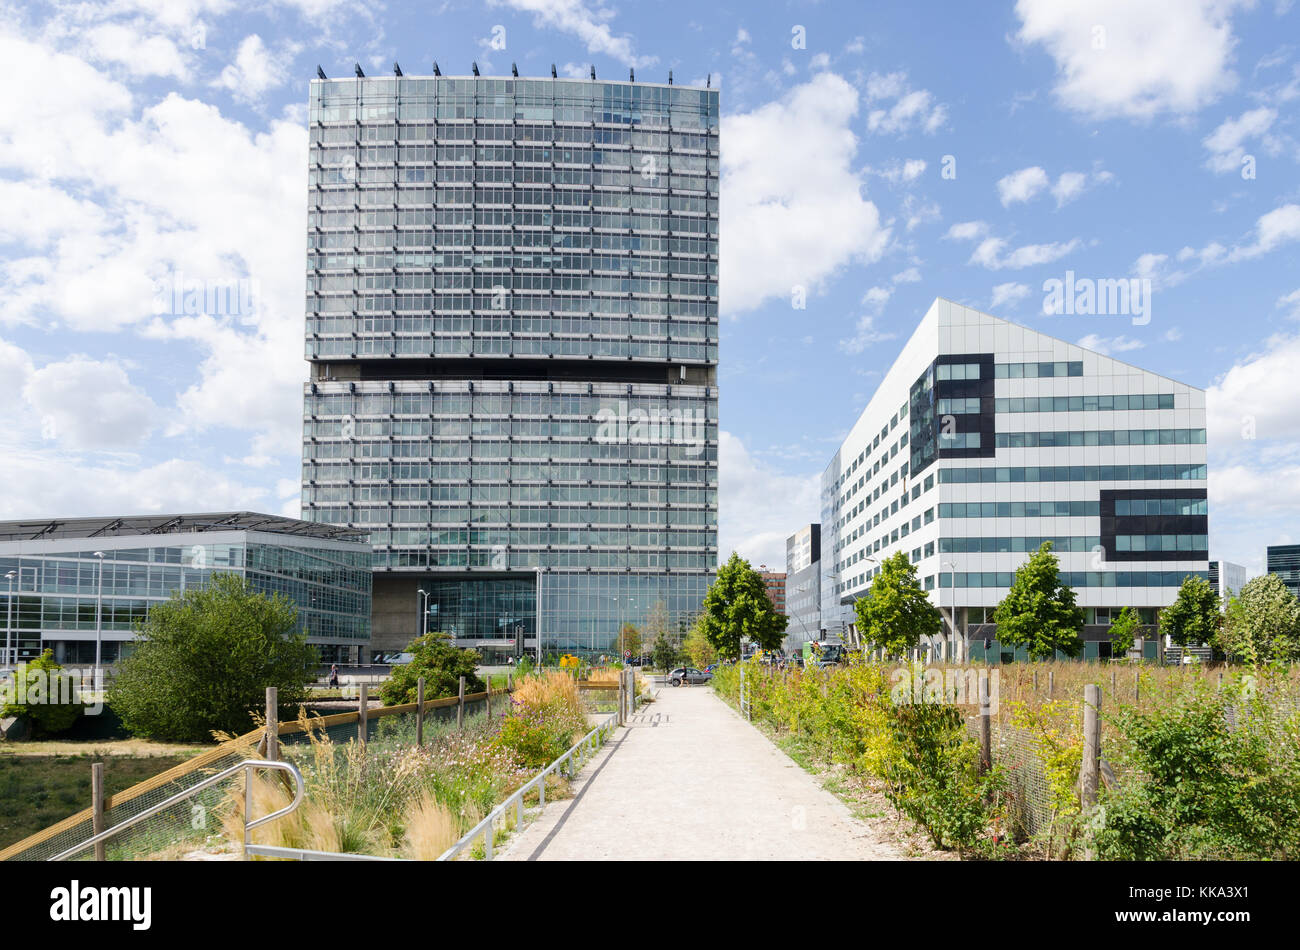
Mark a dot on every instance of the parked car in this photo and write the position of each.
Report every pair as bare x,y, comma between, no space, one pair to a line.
689,676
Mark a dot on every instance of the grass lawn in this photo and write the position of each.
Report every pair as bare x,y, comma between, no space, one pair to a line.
44,782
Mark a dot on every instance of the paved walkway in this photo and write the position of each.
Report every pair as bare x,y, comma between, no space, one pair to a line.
688,779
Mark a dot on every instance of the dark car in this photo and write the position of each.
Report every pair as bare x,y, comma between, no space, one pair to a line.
689,676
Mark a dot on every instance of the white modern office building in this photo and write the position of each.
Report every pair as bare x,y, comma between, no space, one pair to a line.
985,439
803,589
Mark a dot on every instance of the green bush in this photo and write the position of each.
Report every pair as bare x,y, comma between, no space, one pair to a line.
933,774
441,664
1210,774
205,658
42,685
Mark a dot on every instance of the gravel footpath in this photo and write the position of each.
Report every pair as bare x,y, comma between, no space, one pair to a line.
688,779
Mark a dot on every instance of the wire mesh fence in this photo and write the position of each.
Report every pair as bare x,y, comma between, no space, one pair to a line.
189,824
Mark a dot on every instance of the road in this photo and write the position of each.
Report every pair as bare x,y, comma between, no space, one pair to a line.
688,779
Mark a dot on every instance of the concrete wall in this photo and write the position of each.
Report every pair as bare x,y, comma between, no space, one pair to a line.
395,612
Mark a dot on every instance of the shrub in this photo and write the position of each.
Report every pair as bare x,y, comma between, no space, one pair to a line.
44,690
1209,774
545,719
441,664
205,658
932,774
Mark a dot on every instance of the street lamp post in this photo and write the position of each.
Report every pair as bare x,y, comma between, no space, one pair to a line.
9,621
538,596
99,611
952,609
422,598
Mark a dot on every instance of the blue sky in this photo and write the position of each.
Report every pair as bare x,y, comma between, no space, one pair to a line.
873,158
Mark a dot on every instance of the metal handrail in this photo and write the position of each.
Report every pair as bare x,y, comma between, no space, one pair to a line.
249,767
486,827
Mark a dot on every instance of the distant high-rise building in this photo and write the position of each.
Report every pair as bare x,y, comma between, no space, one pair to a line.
1284,561
803,585
512,327
986,439
1227,578
774,582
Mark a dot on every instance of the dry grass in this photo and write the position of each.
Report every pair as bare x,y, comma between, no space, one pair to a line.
102,748
431,828
310,827
541,691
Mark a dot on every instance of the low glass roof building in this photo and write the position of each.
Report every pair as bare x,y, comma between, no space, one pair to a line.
56,590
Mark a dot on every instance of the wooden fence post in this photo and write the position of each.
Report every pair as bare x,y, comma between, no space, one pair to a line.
1090,767
363,711
1137,687
986,730
1035,682
1051,683
489,696
419,711
272,723
97,806
460,708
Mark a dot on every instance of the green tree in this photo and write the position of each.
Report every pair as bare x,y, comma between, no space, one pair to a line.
441,664
1193,618
664,653
896,613
205,658
1263,623
1039,612
631,639
44,690
737,608
698,648
1123,631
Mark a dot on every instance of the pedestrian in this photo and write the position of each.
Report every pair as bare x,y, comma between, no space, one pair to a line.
334,675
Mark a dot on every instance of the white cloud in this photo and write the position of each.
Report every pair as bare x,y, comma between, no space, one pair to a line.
911,108
792,201
1227,143
966,231
1291,302
760,507
909,276
865,333
1110,345
896,172
63,485
1010,293
1068,187
86,404
989,253
1115,58
1277,227
1022,185
141,55
589,23
256,70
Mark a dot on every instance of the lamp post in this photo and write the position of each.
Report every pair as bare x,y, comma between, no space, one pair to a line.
952,609
538,596
9,620
422,598
99,611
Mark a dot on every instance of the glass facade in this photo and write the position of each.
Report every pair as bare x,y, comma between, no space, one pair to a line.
57,583
512,324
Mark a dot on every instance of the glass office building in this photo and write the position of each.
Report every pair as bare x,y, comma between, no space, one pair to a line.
512,331
1284,561
63,591
986,439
